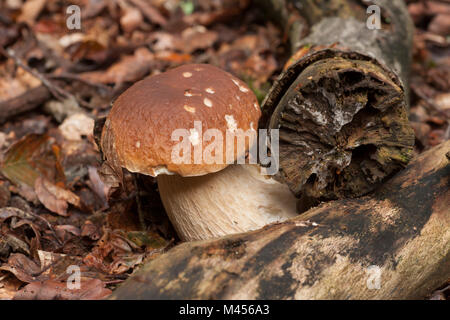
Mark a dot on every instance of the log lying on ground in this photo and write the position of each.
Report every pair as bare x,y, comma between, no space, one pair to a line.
341,106
327,253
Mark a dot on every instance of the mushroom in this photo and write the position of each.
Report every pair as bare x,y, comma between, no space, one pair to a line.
203,198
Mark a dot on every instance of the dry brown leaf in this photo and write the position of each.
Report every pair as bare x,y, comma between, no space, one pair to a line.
54,198
129,68
25,269
31,10
9,285
55,265
150,12
443,101
91,231
126,249
164,41
62,228
90,289
440,25
14,86
9,212
11,242
131,19
198,37
76,126
33,156
62,109
173,57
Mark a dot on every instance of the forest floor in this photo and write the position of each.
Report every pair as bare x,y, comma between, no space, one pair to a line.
56,214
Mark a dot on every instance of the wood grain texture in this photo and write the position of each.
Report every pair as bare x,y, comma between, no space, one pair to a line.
341,105
403,228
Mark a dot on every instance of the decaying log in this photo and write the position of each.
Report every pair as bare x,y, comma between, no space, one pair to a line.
326,253
341,105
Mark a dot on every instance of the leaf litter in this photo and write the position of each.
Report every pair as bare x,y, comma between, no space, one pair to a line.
56,213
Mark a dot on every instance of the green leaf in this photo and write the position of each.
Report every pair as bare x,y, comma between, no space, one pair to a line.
187,7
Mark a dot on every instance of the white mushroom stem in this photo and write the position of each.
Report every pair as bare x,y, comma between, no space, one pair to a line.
236,199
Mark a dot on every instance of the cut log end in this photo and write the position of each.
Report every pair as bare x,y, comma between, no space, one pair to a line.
343,129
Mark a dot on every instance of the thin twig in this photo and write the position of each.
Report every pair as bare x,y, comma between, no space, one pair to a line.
55,90
71,76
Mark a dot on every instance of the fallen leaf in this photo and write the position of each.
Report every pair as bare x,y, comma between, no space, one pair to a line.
9,285
129,68
31,10
55,265
71,38
91,50
164,41
11,87
440,25
62,228
146,239
198,37
3,139
32,156
76,126
443,101
173,57
131,19
62,109
151,13
90,289
91,231
54,198
5,194
25,269
13,243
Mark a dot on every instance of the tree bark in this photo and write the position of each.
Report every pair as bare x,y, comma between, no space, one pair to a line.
341,104
334,251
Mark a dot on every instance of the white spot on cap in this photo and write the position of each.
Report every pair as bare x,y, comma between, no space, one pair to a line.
194,137
188,93
189,109
231,123
138,144
210,90
187,74
241,87
207,102
256,106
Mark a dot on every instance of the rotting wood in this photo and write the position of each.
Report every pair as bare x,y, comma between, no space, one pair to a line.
341,104
403,229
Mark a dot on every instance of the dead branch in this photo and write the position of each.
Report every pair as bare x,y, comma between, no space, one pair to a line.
401,232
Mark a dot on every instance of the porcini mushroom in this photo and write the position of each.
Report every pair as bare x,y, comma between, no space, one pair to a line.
203,198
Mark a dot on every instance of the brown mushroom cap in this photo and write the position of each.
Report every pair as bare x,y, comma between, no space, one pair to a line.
141,122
